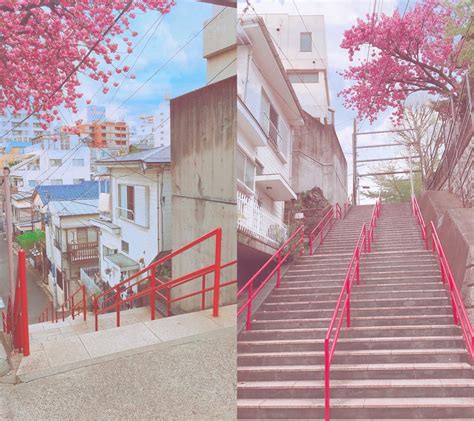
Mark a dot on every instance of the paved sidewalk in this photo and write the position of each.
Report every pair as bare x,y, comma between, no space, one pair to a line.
192,378
69,345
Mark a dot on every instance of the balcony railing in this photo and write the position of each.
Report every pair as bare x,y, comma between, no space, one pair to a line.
258,222
82,252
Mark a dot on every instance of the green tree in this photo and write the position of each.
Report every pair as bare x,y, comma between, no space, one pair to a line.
29,239
394,188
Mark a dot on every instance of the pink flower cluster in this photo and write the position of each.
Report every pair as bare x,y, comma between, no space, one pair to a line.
409,53
42,41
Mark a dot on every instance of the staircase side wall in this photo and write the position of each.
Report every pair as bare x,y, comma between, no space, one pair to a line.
455,227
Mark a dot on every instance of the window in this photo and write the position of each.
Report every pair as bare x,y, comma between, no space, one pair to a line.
78,180
303,77
104,186
125,246
108,251
128,196
269,118
57,237
78,162
31,183
245,170
56,182
55,162
306,42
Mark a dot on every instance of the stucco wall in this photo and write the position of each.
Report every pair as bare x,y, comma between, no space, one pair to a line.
203,137
318,161
455,226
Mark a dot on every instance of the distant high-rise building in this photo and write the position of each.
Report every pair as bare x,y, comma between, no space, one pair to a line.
95,113
14,129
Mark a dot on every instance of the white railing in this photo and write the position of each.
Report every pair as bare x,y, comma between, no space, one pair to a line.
257,222
88,278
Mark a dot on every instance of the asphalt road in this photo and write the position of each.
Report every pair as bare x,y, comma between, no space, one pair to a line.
37,298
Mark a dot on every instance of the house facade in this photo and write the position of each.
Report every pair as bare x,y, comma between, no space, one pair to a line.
71,244
135,214
268,109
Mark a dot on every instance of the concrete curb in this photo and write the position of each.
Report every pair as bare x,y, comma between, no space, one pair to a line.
4,364
26,378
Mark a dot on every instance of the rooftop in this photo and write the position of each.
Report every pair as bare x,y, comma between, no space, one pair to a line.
160,155
74,208
86,190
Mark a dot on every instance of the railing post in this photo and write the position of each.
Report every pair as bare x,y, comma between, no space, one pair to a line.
25,337
52,312
62,310
279,270
72,307
117,305
302,242
326,380
249,307
84,308
96,315
203,296
217,272
358,268
152,293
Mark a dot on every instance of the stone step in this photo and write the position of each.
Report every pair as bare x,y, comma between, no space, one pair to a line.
390,356
392,342
414,408
356,371
350,389
358,332
356,321
361,312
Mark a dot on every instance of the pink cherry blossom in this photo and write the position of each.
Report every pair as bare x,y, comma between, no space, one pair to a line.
42,42
409,53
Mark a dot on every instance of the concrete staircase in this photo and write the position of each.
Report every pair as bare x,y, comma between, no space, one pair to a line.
402,357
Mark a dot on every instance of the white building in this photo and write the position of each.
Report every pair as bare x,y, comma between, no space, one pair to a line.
153,130
268,108
52,167
301,45
13,129
135,213
71,244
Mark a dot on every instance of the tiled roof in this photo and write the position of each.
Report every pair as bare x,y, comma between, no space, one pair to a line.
84,191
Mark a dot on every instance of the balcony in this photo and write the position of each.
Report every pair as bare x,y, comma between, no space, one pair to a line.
257,222
80,252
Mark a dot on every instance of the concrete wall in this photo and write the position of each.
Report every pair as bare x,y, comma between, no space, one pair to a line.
318,161
455,226
203,137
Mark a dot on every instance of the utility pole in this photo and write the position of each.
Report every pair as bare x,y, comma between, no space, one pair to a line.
354,163
9,231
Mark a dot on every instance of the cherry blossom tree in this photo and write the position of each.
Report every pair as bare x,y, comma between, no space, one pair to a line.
409,53
46,44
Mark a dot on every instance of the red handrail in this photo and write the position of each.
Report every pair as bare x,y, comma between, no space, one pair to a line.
15,321
281,256
363,243
155,287
460,315
71,302
336,212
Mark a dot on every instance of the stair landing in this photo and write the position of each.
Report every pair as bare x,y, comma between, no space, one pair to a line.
71,344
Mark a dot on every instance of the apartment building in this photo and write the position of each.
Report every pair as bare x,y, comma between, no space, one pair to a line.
301,45
13,128
268,109
51,167
113,135
135,214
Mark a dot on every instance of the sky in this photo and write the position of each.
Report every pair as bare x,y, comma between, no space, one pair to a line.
161,40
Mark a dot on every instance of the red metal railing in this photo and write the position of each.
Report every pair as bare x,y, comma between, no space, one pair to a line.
319,231
15,321
460,315
280,257
145,284
343,305
71,306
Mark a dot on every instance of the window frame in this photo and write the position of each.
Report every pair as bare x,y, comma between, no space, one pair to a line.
306,48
